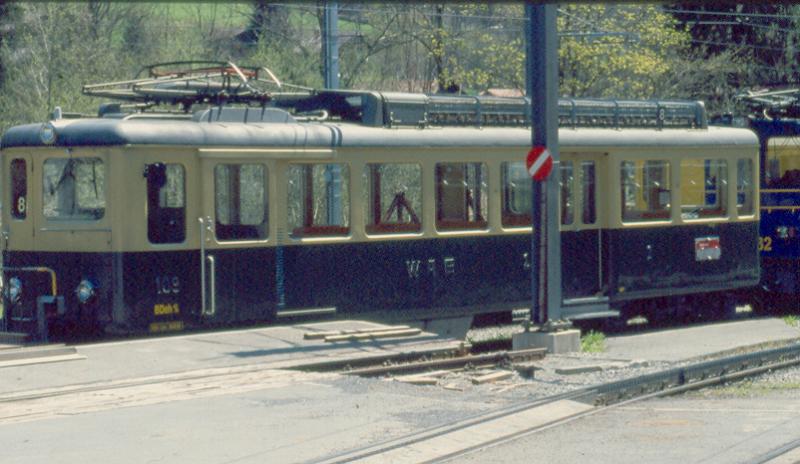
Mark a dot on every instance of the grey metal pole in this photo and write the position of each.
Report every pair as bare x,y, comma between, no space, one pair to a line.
537,287
330,46
542,76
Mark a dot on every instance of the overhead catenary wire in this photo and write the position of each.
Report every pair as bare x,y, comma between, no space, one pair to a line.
732,14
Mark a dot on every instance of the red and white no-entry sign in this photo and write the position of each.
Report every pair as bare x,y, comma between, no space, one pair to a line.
539,163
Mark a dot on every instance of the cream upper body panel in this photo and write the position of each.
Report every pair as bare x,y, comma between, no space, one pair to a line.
127,147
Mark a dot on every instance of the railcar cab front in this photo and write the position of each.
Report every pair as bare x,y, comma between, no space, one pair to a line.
57,238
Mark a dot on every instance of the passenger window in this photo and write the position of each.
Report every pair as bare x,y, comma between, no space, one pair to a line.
19,189
704,183
516,195
73,189
240,198
319,200
646,194
783,164
589,215
393,199
461,198
166,203
566,184
744,187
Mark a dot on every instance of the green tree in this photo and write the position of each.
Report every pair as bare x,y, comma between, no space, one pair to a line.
621,51
58,47
737,46
283,42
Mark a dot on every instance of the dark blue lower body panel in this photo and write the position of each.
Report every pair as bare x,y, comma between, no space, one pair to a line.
670,261
780,245
388,280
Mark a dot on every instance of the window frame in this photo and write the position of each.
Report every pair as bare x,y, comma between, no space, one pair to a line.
478,218
509,193
236,230
720,209
645,188
308,227
751,193
372,187
158,215
19,211
90,215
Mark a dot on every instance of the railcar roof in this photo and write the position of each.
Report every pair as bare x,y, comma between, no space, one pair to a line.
119,132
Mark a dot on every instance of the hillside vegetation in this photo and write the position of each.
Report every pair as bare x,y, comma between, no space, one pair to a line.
48,50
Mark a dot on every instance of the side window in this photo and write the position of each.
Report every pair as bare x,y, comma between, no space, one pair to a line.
166,203
394,198
73,189
566,184
461,196
744,187
19,189
704,183
516,195
318,203
645,189
631,186
240,201
783,169
588,188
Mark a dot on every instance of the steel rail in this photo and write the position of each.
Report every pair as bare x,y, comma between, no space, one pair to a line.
700,375
451,363
777,453
106,385
613,394
417,437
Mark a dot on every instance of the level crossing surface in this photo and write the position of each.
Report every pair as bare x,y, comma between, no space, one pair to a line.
271,347
227,397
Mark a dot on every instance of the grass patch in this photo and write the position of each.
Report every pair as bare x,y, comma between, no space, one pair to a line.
792,321
593,342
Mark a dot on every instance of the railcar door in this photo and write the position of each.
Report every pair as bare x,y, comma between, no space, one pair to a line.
583,220
318,260
237,256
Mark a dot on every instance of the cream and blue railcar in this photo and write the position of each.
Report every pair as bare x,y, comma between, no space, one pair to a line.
140,222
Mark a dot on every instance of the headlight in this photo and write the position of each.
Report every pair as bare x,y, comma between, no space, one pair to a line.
14,290
48,134
85,291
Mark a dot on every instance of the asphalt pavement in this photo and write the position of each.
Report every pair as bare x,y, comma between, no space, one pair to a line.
227,397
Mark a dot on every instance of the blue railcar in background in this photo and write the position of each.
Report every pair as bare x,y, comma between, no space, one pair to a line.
779,240
774,115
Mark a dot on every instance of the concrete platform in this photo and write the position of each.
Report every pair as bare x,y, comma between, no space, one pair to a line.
701,341
270,347
285,347
19,356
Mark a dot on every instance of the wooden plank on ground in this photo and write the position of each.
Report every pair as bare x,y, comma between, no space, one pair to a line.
441,373
331,333
417,379
373,335
493,377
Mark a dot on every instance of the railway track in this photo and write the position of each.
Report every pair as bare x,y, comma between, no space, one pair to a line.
500,425
405,366
786,454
